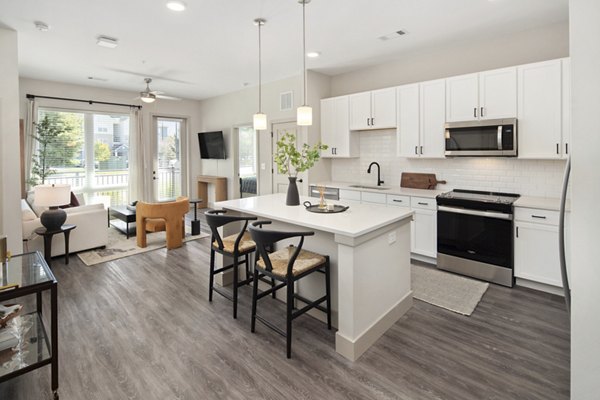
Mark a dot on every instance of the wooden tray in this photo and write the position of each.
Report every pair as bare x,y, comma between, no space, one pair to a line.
419,181
315,208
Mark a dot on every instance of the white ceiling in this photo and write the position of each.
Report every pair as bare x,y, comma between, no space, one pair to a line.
211,48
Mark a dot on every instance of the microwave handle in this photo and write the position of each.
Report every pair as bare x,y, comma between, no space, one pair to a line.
500,137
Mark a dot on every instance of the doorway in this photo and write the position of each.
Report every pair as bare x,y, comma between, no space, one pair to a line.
168,158
247,161
280,181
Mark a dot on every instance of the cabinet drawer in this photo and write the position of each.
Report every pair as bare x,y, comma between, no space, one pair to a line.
537,216
396,200
369,197
349,195
423,203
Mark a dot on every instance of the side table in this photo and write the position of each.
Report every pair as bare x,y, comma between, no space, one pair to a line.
30,275
195,222
66,230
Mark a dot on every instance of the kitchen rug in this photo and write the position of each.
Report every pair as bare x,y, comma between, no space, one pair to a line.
119,246
443,289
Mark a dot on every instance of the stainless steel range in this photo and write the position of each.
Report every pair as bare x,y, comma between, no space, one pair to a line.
475,234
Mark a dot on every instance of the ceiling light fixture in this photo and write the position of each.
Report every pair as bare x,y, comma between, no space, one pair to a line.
313,54
304,112
260,119
176,5
106,41
41,26
147,96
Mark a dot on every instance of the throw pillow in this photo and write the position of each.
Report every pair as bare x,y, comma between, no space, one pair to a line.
27,213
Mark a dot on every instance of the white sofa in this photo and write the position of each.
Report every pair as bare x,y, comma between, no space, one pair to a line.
91,231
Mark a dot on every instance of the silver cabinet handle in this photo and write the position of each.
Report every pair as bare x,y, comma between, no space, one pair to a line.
538,216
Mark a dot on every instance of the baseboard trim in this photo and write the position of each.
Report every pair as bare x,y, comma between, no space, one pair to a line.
352,350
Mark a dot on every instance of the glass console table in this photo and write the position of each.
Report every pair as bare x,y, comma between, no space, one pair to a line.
29,274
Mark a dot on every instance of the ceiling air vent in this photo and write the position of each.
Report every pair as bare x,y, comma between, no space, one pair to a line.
393,35
286,101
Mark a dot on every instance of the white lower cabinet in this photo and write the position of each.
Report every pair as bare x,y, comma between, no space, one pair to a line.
536,246
424,226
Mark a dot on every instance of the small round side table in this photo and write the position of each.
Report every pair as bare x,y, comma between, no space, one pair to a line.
65,229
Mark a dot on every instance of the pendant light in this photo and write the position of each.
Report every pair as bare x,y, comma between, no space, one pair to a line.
260,119
304,112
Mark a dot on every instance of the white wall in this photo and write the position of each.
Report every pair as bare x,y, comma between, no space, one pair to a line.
477,54
10,217
525,177
585,221
230,110
166,108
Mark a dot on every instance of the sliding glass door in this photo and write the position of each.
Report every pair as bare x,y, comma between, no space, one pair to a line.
89,151
167,173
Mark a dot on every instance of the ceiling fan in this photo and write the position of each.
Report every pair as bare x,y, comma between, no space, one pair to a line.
149,96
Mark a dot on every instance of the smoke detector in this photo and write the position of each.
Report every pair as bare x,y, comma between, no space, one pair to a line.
106,41
393,35
41,26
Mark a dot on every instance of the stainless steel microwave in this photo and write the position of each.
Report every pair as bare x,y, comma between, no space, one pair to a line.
488,138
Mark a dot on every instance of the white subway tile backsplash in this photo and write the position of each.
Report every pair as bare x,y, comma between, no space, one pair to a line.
526,177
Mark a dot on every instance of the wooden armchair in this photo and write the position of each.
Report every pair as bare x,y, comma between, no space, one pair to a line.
154,217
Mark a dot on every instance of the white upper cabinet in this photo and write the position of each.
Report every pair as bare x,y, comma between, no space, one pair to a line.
462,98
498,93
408,134
539,111
433,117
421,119
373,110
566,107
485,95
335,130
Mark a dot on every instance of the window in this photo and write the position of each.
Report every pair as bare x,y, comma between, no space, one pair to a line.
90,152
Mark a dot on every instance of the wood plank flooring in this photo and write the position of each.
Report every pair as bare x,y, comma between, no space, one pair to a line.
142,328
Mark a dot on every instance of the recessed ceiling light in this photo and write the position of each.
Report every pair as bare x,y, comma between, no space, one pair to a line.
176,5
313,54
106,41
41,26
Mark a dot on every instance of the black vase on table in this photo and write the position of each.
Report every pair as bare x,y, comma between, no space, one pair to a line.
293,197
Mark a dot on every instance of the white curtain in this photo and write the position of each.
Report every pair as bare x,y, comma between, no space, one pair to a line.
140,160
30,121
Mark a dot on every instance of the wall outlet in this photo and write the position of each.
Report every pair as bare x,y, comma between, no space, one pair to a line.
392,237
263,166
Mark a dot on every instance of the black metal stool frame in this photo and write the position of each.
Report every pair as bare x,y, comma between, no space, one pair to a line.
215,220
264,239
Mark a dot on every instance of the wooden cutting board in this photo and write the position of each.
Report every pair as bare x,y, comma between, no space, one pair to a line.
419,181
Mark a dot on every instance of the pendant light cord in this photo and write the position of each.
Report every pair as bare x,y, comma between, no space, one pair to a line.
259,71
304,47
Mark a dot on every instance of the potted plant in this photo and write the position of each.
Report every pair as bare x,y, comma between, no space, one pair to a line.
292,161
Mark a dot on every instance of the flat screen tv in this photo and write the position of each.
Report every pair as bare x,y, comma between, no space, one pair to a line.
212,145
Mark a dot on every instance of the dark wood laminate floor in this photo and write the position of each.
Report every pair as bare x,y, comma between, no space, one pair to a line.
142,328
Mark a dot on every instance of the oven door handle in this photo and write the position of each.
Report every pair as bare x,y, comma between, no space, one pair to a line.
487,214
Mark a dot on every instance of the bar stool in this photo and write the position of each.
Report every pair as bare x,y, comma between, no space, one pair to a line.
234,246
287,266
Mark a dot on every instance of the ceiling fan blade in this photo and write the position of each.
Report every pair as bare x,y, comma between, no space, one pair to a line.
160,96
146,75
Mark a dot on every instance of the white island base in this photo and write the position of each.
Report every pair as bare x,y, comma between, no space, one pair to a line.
369,250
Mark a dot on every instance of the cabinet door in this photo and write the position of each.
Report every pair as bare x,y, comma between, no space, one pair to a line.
383,108
566,107
424,233
462,98
536,253
360,111
328,131
539,109
432,118
498,93
407,135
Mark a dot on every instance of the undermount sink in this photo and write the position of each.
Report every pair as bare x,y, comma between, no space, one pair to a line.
369,187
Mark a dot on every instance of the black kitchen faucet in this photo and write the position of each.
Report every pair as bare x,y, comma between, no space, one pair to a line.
379,181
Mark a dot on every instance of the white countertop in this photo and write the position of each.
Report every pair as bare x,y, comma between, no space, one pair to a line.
541,203
397,190
358,220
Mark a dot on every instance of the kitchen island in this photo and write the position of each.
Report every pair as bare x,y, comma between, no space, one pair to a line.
369,249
